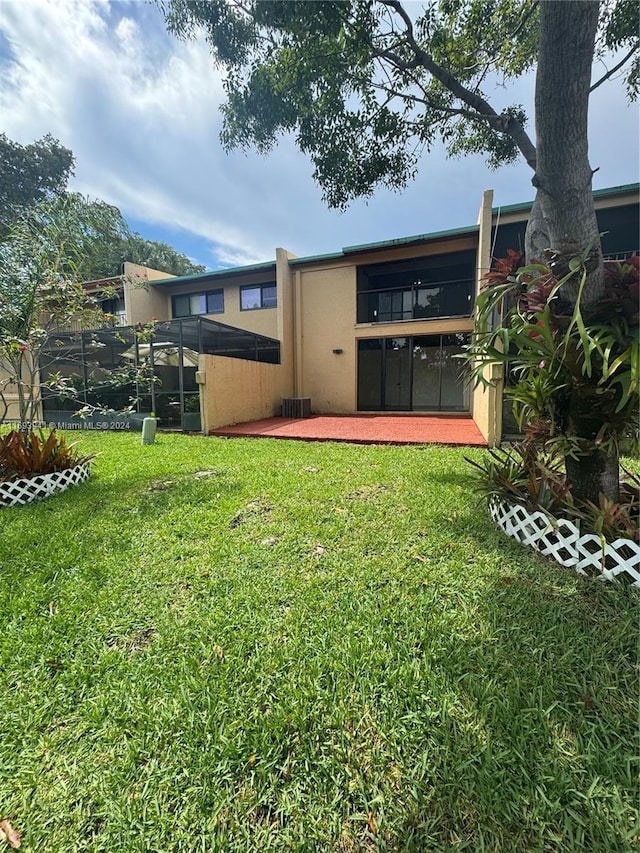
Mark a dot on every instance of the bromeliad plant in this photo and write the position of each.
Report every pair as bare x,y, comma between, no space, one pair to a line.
575,366
24,455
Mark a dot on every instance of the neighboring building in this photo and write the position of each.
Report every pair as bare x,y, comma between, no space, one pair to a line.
370,328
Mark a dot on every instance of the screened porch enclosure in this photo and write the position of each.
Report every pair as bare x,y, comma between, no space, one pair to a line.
143,369
413,374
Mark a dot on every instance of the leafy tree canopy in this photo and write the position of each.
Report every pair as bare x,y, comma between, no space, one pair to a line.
158,255
112,243
30,174
368,85
43,261
39,172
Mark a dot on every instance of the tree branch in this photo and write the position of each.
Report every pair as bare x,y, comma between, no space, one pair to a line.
615,67
478,104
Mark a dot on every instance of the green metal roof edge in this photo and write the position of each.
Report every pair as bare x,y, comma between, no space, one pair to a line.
418,238
385,244
608,191
200,276
308,258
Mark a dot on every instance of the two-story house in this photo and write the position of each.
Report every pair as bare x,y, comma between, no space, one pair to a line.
369,328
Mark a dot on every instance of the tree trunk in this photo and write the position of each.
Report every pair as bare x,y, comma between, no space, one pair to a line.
593,475
536,238
563,173
564,213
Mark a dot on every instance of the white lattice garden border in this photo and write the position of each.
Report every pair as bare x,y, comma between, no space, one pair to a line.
562,540
27,489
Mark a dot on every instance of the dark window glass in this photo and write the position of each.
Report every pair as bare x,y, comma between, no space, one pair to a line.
258,296
215,302
192,304
421,288
269,296
250,298
181,306
419,374
370,374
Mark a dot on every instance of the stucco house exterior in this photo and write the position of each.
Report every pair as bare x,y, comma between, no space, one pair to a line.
369,328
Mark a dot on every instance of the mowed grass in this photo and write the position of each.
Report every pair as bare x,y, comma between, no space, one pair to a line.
307,647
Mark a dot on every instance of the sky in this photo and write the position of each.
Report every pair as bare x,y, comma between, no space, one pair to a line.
140,111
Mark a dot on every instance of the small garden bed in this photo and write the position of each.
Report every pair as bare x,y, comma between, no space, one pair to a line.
23,490
571,357
589,554
34,466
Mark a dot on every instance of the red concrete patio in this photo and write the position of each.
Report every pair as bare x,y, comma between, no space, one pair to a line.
363,429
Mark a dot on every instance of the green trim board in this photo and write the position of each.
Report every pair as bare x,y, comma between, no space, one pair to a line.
623,189
467,230
265,266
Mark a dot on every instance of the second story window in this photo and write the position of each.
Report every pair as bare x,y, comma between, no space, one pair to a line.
188,304
258,296
429,288
116,308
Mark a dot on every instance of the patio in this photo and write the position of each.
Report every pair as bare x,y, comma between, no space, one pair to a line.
363,429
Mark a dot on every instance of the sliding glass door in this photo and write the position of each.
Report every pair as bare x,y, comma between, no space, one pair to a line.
397,374
412,374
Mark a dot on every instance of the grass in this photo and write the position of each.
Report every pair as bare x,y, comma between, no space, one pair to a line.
307,647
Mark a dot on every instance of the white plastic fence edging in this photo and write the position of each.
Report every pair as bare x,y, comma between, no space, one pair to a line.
28,489
587,553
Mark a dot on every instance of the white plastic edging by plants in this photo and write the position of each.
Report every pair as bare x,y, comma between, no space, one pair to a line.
28,489
587,553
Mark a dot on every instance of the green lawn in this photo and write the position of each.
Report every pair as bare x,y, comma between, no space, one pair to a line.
313,647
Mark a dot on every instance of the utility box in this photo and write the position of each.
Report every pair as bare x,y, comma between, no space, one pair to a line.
296,407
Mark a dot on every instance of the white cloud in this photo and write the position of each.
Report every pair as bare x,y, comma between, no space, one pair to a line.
141,113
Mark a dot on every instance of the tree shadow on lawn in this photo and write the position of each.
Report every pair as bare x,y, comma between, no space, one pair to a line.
542,717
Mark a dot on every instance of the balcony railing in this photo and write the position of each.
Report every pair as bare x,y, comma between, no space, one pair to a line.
435,300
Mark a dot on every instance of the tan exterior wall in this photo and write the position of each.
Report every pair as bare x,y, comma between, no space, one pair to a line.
487,402
285,313
325,319
262,321
141,301
236,391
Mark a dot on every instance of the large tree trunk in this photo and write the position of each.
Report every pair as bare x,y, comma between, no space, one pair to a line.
564,216
590,476
563,173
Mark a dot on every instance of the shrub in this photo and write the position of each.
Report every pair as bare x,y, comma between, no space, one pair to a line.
24,454
524,474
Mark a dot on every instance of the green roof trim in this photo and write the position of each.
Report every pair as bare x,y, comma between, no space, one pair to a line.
609,191
205,276
387,244
270,266
418,238
310,258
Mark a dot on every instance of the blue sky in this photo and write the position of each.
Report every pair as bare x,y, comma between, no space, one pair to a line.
140,111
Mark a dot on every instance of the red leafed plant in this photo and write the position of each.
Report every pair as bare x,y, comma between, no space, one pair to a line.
26,454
